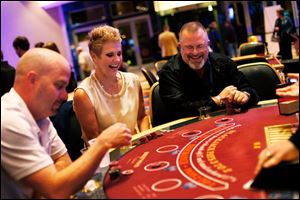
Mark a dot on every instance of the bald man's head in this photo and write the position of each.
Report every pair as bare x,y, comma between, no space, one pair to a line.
192,27
41,79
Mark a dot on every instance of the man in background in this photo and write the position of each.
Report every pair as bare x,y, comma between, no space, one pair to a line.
214,37
85,62
287,34
7,76
230,39
21,45
167,41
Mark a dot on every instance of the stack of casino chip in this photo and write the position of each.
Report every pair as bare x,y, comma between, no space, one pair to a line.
114,170
143,140
127,172
114,163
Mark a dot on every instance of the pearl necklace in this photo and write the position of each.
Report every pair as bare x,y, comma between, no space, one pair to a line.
113,88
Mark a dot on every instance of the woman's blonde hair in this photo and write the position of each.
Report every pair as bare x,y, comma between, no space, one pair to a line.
99,35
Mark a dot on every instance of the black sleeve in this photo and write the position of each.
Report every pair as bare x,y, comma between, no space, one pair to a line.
277,23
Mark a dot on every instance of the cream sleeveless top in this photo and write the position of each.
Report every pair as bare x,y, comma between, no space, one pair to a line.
109,109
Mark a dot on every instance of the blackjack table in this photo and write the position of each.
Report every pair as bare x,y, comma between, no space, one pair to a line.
211,158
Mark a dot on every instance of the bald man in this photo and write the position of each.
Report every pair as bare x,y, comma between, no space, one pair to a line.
196,77
34,160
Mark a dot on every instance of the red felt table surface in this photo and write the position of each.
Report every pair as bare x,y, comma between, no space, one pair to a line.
199,160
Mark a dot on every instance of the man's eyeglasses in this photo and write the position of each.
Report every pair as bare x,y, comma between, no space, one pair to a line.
198,47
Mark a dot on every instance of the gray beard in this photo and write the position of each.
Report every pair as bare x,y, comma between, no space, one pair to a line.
196,67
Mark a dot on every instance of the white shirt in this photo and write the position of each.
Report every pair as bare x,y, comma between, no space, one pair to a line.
26,145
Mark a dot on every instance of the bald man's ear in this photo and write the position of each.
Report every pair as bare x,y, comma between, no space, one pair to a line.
179,48
31,77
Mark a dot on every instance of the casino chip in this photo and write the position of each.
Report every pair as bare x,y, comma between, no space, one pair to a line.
136,143
189,185
224,120
143,140
127,172
114,163
159,134
177,151
192,132
114,173
171,168
153,135
155,165
149,137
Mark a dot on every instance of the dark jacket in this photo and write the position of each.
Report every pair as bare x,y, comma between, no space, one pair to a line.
183,91
7,77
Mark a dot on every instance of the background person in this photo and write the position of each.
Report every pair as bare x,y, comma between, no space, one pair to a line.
287,150
7,76
21,45
39,44
196,77
230,39
108,95
214,37
286,30
85,62
168,43
52,46
34,160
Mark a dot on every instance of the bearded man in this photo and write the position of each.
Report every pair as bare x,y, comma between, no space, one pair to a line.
196,77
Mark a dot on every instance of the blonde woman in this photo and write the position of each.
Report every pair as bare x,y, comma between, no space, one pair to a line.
108,95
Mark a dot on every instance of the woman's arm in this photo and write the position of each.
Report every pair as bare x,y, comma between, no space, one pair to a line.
143,118
85,114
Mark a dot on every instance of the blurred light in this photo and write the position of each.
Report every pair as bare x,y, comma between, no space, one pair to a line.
210,8
131,42
167,5
231,13
51,4
141,8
